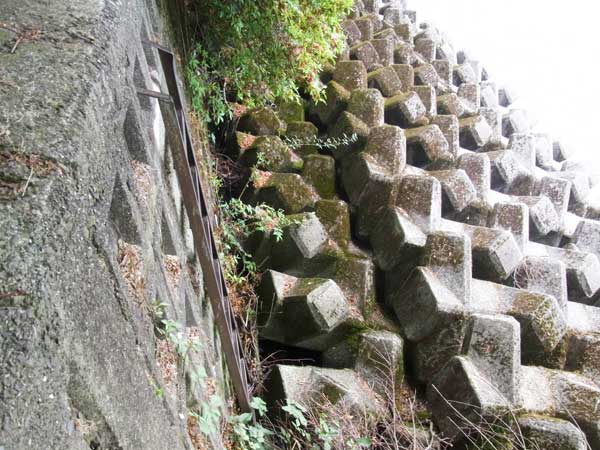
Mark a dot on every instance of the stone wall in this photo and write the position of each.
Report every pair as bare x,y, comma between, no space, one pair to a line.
95,245
440,236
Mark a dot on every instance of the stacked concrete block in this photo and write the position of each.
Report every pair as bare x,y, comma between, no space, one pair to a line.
475,222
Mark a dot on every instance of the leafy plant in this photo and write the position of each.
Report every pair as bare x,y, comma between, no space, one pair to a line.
328,143
256,51
240,220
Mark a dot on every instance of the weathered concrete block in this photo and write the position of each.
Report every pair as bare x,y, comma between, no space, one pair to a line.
405,32
489,95
380,361
583,270
395,237
587,236
421,197
463,73
506,96
426,48
451,104
405,54
334,215
552,434
460,394
306,386
261,122
425,305
269,153
543,322
493,116
387,145
458,191
514,122
544,275
428,97
319,172
478,168
367,105
365,25
523,146
513,217
427,146
560,151
285,191
542,215
346,126
302,312
426,75
406,74
386,80
450,128
560,394
385,50
558,191
470,94
583,354
495,253
494,348
366,53
507,171
352,32
475,132
303,133
448,257
351,74
405,109
444,70
337,97
446,52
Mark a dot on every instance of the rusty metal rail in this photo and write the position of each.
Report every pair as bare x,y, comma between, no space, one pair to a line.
178,134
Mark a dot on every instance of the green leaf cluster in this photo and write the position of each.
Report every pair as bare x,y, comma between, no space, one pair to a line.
257,51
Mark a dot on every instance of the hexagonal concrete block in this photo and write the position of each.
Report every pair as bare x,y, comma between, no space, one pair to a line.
427,145
336,101
460,395
421,197
366,53
269,153
475,132
458,191
386,80
550,433
302,312
394,237
261,122
494,347
367,105
285,191
387,144
405,109
351,74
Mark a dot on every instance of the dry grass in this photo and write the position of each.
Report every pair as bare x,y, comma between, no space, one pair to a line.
142,174
166,360
199,440
132,269
85,426
173,271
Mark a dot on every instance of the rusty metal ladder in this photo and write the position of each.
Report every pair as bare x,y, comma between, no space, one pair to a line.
178,134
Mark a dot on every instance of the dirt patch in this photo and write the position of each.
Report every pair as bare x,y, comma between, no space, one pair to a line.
132,269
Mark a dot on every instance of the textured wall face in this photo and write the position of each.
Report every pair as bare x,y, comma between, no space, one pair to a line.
93,236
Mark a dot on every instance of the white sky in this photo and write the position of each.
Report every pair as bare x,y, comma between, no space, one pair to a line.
547,51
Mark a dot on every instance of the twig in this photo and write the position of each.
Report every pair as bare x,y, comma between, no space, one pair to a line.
27,183
19,39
